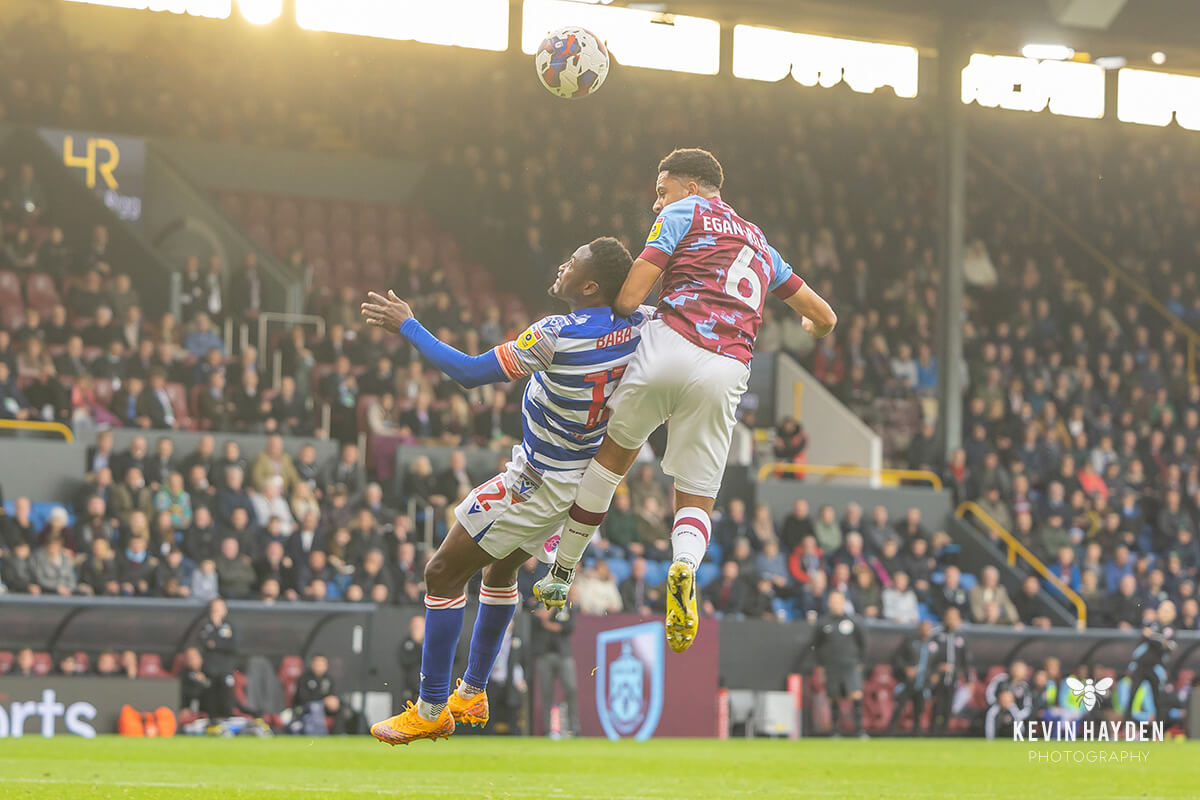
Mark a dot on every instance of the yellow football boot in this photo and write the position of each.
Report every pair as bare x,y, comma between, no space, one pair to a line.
682,620
468,712
409,726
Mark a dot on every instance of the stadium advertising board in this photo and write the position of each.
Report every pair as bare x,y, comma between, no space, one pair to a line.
114,167
631,686
76,706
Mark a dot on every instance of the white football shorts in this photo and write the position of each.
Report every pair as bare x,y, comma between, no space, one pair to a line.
519,508
696,390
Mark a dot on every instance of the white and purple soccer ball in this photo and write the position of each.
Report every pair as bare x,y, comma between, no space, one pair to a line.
572,62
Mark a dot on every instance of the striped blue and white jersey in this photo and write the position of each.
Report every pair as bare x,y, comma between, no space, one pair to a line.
573,362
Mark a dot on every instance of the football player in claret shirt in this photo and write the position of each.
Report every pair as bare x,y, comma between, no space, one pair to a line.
572,361
692,367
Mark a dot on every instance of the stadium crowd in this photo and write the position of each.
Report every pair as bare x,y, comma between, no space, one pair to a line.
1081,417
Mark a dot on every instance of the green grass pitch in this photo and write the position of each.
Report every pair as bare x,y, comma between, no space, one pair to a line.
537,769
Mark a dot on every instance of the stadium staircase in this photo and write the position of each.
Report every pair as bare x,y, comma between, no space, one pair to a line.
999,548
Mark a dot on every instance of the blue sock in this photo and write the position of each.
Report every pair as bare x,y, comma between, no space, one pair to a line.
443,624
496,609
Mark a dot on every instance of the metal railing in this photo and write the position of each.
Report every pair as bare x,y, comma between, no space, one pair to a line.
1016,549
265,318
1190,334
830,471
38,425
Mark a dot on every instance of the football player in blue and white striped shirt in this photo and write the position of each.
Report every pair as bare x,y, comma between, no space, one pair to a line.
573,362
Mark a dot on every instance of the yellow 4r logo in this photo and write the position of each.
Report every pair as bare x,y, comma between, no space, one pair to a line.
112,157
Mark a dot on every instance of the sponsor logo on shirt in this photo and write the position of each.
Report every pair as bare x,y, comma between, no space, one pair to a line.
529,338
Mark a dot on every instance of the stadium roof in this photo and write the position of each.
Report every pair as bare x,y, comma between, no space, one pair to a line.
1130,28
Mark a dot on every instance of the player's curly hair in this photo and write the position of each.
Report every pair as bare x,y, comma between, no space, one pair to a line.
610,265
692,162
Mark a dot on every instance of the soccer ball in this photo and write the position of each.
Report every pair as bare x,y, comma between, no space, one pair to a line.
571,62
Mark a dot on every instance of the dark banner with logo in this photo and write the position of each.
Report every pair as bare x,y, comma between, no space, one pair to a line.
114,167
84,706
631,685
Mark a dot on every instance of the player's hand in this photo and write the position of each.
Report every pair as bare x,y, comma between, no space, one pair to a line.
388,312
814,330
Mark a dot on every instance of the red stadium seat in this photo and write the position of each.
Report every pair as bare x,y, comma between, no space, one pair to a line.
261,234
82,661
12,315
341,244
233,205
179,404
104,392
177,664
286,213
316,245
290,670
396,249
314,214
10,287
368,220
41,294
42,663
341,217
374,273
6,661
395,221
258,209
286,240
368,247
150,666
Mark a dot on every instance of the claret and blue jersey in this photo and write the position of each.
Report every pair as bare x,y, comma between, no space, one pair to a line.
716,270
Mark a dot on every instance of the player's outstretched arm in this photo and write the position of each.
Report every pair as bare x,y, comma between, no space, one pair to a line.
394,315
638,283
819,319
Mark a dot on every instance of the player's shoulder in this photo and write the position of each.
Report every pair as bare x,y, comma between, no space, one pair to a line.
545,330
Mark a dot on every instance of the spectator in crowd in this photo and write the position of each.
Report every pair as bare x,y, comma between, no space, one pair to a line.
827,530
132,495
597,591
556,665
840,644
195,686
175,500
98,573
316,695
205,583
219,644
989,601
235,574
53,568
344,470
371,583
637,594
24,664
951,594
17,570
796,526
409,657
136,568
1030,608
900,601
727,595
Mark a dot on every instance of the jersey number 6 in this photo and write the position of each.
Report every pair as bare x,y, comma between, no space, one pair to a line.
739,271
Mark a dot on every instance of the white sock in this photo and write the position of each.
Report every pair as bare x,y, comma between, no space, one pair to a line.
429,711
466,692
689,535
596,489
